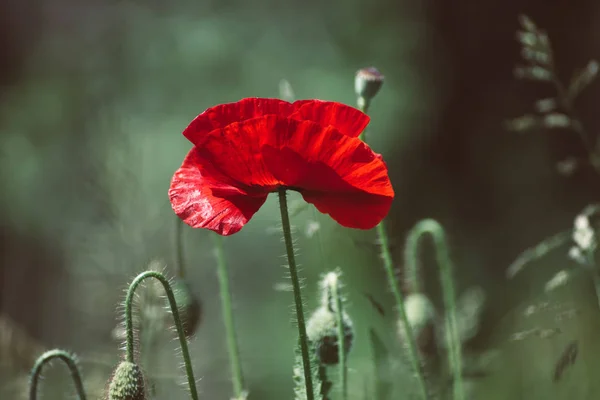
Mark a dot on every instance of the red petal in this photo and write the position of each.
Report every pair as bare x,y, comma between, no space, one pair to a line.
203,197
348,120
224,114
341,175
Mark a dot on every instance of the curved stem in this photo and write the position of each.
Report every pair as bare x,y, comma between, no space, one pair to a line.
289,246
129,350
343,365
232,344
442,255
413,352
179,260
45,358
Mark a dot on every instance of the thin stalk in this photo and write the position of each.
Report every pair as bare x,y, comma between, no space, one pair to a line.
129,347
446,267
289,246
388,265
68,359
413,352
343,365
227,310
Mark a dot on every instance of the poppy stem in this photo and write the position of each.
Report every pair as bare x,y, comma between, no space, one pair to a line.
442,255
289,246
388,265
413,352
227,310
48,356
129,349
341,336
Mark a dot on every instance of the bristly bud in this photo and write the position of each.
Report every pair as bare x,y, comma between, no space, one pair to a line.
127,383
367,83
190,309
322,326
421,316
322,331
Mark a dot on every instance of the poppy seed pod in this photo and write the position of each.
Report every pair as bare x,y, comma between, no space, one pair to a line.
367,83
322,332
127,383
190,309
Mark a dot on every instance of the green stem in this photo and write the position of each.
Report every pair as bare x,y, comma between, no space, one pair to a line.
343,365
129,350
289,246
68,359
446,267
413,352
388,265
412,265
227,310
179,260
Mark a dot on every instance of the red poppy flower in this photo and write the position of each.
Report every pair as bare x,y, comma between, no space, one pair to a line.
245,150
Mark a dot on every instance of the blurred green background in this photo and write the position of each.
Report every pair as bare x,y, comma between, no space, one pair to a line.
94,96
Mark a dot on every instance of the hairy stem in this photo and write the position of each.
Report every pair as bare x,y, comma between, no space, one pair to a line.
227,309
413,351
442,254
388,265
343,365
289,246
129,347
68,359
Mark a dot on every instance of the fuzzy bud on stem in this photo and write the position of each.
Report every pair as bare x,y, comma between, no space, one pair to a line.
127,383
323,325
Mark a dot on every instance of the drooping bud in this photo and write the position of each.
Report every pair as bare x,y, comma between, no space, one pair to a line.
322,326
190,309
585,236
421,316
127,383
322,331
367,83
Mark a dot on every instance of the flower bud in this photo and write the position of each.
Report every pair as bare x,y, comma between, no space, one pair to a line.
322,331
127,383
190,309
367,83
421,316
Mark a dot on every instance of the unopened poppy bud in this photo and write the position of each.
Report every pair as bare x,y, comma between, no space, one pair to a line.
188,305
367,83
421,316
127,383
322,332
